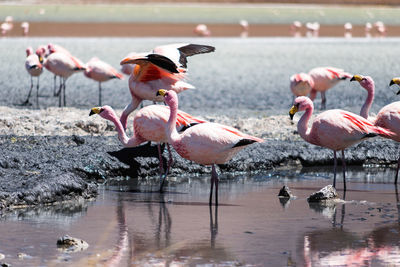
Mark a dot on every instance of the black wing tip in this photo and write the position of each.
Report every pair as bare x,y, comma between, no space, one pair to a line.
369,135
163,62
244,142
194,49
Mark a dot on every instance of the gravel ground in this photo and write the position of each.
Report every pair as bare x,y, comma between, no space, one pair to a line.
59,154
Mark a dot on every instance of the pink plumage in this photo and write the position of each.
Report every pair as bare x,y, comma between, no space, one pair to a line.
34,67
101,71
334,129
206,143
318,80
164,67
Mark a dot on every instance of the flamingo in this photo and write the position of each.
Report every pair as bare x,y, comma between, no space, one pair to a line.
34,68
164,67
301,84
64,66
25,28
149,124
323,78
101,71
206,143
335,129
202,30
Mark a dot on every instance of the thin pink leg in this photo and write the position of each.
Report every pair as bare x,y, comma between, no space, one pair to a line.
334,168
214,180
211,187
344,171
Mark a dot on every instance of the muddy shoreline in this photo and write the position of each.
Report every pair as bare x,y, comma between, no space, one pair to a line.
44,169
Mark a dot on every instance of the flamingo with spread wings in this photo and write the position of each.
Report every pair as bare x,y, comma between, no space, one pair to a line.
206,143
164,67
149,124
101,71
318,80
335,129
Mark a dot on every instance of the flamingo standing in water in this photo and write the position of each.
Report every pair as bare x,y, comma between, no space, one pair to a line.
323,79
149,124
206,143
388,117
34,68
164,67
101,71
64,66
335,129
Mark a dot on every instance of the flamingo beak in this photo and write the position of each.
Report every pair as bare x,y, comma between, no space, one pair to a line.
95,110
293,111
41,59
357,78
128,60
161,92
395,81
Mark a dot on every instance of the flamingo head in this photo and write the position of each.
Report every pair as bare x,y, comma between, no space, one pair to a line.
29,51
41,51
170,97
51,48
105,112
395,81
301,84
365,81
300,103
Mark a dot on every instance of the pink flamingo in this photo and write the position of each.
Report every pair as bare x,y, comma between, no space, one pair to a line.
335,129
206,143
34,68
64,66
388,117
101,71
165,67
301,84
323,78
149,124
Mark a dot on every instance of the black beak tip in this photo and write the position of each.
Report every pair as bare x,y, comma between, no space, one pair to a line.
158,93
398,93
291,116
352,79
391,83
91,113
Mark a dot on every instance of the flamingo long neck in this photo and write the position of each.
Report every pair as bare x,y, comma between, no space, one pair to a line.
123,138
302,125
368,102
171,132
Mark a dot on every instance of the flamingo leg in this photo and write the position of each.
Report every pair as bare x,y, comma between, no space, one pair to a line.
313,94
64,81
59,93
170,159
323,101
344,171
162,177
214,180
99,93
26,102
397,171
59,88
334,168
37,93
55,86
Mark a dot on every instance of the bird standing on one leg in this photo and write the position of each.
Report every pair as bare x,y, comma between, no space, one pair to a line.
100,71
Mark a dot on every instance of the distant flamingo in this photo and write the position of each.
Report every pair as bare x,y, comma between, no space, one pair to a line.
206,143
335,129
101,71
25,28
34,68
64,66
202,30
164,67
323,78
149,124
301,84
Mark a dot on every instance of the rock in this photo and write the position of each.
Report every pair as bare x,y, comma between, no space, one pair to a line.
2,256
71,244
326,193
22,255
78,140
5,264
285,192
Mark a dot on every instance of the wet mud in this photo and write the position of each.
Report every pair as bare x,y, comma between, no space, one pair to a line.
39,170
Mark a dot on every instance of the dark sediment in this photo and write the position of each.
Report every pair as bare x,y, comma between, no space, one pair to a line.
47,169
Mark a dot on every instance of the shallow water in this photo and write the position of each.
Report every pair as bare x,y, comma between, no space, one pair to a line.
129,225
